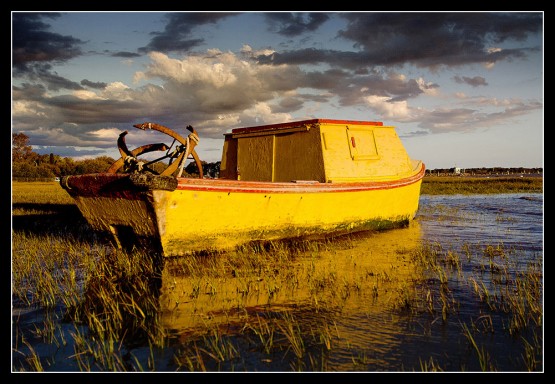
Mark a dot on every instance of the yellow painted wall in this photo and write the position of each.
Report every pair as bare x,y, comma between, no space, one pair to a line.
325,152
276,156
299,157
255,158
362,153
228,166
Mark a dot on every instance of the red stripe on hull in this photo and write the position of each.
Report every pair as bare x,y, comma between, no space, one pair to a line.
219,185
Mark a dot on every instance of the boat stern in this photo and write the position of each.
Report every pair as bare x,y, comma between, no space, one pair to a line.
123,207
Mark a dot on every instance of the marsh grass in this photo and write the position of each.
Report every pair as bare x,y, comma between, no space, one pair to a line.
511,294
466,185
272,306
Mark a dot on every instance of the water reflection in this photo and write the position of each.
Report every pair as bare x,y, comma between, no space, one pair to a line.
346,293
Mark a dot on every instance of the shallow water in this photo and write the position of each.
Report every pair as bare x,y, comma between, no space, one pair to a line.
368,332
512,223
511,219
352,315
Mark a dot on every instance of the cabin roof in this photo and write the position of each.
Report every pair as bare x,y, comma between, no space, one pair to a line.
280,126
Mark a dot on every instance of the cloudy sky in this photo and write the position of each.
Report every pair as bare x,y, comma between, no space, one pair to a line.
463,89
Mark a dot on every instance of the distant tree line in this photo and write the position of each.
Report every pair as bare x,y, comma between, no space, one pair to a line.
482,171
27,164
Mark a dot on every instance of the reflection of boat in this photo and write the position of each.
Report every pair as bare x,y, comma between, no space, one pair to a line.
236,287
289,180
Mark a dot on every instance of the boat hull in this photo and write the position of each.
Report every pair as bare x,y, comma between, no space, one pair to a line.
176,217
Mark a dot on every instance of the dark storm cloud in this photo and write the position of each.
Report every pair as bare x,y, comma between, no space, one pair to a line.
288,104
30,92
78,111
177,36
32,42
403,90
92,84
329,79
42,72
34,48
295,24
436,39
349,89
475,81
74,110
56,83
422,39
125,55
350,60
316,98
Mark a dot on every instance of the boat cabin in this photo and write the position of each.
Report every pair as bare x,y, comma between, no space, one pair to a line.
319,150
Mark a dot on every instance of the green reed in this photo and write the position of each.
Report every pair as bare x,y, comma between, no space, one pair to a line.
504,289
484,357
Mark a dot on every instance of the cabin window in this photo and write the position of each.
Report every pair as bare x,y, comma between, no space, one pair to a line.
362,144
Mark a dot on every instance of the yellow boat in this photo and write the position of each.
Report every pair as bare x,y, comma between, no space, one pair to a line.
302,179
